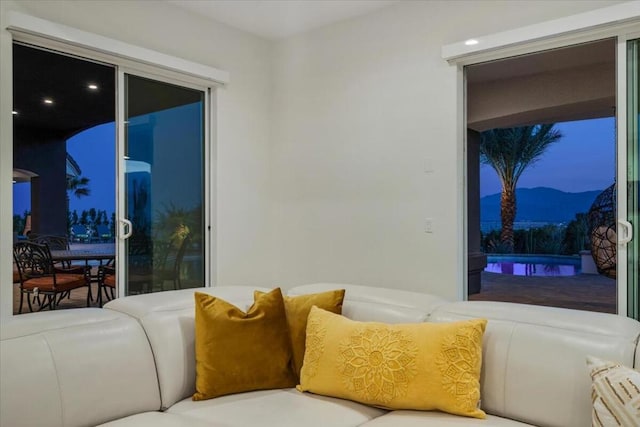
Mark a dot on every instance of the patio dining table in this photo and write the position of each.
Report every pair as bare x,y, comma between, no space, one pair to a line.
101,253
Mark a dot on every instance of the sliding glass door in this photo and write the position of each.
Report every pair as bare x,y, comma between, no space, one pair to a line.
111,162
633,165
162,202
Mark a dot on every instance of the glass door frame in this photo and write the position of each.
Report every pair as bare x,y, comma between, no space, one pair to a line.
21,27
622,252
627,297
623,32
123,225
121,66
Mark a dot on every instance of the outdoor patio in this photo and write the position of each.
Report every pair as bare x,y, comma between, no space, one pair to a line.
584,291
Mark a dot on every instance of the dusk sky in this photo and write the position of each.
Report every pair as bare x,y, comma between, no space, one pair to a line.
94,151
583,160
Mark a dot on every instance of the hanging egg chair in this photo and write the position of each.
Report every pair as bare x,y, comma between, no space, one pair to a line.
604,239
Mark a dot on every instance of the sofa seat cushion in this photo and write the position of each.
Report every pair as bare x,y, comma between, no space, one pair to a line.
161,419
438,419
277,408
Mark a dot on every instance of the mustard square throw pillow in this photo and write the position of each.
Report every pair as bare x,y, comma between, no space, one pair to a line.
422,366
238,351
297,309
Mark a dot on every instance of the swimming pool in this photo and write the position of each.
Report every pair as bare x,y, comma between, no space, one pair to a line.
533,265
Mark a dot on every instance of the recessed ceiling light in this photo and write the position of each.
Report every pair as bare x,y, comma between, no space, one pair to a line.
471,42
14,112
48,101
92,86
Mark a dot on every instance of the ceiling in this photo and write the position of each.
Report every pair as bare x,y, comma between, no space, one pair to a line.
40,74
506,92
583,55
276,19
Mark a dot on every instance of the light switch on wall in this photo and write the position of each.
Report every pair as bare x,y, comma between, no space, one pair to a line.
428,225
428,165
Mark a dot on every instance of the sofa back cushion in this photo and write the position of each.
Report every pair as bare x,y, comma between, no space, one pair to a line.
534,358
371,304
168,320
74,368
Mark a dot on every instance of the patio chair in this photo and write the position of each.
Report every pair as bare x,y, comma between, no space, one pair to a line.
139,265
171,262
57,243
54,243
79,233
106,283
39,277
103,233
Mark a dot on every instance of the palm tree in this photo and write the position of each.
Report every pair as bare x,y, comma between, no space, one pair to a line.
78,185
509,152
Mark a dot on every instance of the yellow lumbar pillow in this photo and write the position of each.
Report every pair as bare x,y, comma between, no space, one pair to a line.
297,309
238,351
423,366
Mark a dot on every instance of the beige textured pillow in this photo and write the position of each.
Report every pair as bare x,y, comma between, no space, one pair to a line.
615,393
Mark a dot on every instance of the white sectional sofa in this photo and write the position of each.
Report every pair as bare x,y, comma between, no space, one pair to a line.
133,364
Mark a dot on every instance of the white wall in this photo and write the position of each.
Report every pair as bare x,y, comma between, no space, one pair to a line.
358,107
326,131
243,196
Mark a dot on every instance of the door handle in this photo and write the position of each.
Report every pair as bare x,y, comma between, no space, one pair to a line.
125,223
628,232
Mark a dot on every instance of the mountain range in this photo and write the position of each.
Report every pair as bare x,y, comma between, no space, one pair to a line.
540,204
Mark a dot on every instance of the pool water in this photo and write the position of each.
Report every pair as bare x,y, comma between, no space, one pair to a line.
533,265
